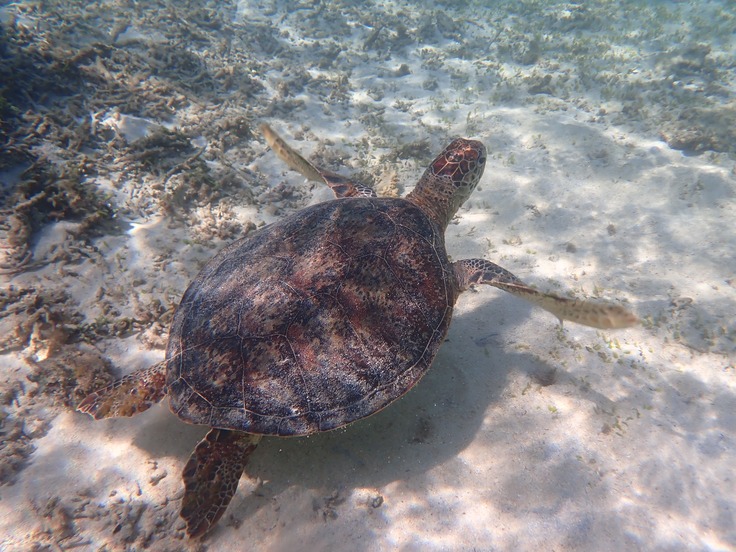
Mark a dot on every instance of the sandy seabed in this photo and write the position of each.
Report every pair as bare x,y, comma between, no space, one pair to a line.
131,156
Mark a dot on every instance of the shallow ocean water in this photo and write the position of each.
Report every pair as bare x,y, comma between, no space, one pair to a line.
131,156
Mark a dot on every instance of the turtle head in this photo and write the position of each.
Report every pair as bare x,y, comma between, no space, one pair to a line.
450,179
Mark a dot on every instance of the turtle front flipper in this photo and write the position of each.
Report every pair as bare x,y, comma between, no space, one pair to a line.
341,186
597,314
211,477
128,396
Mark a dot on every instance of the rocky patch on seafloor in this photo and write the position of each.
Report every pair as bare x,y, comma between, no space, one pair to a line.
27,404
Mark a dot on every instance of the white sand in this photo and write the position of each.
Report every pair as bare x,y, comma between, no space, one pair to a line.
522,436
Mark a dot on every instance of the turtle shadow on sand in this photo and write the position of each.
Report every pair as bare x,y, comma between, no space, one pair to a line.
430,425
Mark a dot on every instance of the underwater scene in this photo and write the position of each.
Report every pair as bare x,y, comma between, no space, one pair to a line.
242,254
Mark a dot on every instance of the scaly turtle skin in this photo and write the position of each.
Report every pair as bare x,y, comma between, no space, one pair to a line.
318,320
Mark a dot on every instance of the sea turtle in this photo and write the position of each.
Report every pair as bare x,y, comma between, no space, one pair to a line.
318,320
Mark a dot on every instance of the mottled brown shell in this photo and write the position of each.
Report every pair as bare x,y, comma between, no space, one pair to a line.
313,322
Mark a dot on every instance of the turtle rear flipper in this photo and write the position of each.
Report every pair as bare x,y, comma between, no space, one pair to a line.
128,396
211,477
596,314
340,185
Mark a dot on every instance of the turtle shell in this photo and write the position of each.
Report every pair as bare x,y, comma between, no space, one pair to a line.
313,322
